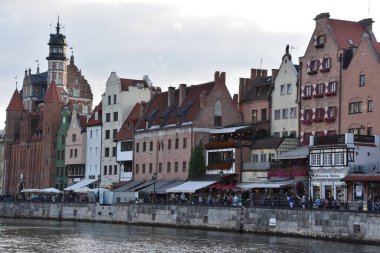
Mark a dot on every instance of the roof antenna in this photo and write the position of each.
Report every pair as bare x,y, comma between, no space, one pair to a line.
51,27
261,62
38,67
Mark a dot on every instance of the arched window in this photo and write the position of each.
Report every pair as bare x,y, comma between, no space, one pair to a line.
218,114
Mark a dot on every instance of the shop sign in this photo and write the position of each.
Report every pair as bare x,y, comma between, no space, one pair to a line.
328,175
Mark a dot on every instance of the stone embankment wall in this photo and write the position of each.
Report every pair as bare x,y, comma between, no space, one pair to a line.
315,223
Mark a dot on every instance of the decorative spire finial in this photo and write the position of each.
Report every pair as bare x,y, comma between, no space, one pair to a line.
58,25
16,81
38,67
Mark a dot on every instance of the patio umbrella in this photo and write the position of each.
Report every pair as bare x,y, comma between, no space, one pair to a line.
224,187
50,190
84,189
31,190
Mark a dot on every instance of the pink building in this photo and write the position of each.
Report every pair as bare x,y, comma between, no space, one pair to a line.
174,122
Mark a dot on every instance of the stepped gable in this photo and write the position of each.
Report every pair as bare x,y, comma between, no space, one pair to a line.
16,102
92,121
52,95
126,83
125,133
159,113
348,30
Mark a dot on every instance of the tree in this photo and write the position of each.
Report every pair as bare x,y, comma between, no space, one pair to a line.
197,162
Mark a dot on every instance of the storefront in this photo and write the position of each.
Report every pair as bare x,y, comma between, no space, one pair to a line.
327,184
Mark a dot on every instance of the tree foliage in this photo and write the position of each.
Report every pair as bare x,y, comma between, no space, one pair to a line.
197,162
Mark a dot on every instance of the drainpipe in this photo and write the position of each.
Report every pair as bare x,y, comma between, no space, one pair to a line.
340,91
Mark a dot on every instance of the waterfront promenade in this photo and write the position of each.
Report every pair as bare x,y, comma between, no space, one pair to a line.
341,225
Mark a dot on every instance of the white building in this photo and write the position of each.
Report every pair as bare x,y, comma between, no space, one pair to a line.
284,99
120,97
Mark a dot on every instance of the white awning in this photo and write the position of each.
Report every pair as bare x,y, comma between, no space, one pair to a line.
80,184
301,152
190,186
268,184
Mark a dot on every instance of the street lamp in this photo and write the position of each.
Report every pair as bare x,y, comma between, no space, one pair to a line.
154,178
221,186
99,178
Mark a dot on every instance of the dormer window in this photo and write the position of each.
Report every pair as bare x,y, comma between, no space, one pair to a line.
319,41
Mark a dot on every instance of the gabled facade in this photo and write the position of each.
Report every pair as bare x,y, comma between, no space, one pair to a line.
94,143
285,99
75,156
255,98
125,142
329,52
174,122
61,173
120,97
360,93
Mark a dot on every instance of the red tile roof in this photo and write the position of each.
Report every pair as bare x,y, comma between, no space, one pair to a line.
376,47
125,133
126,83
52,95
344,30
92,121
16,102
158,109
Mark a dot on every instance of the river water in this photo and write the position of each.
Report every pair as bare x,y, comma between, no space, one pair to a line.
53,236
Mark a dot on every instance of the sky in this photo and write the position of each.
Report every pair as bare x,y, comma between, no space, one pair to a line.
171,41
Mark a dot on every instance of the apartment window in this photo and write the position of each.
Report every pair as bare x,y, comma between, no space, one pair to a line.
285,113
105,170
143,168
218,114
319,41
151,146
326,64
355,107
144,147
319,90
369,131
91,134
58,155
289,88
176,143
184,142
284,133
107,134
108,117
109,169
150,168
71,153
331,88
63,155
74,137
168,167
357,131
276,134
263,157
175,166
85,109
137,168
339,158
327,159
184,166
316,160
115,116
137,147
115,169
277,114
255,158
107,152
370,105
114,99
114,133
362,80
109,100
282,90
113,151
130,125
160,168
75,152
312,67
63,140
169,144
254,115
293,112
264,115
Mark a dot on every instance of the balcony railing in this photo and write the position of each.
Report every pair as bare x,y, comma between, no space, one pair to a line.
328,140
364,138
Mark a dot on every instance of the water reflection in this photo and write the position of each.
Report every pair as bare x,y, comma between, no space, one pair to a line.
54,236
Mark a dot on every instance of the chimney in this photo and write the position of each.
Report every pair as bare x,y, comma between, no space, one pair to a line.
254,74
142,108
322,18
274,74
182,93
242,87
203,96
264,73
171,96
220,77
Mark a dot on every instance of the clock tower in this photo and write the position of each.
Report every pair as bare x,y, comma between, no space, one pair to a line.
57,67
